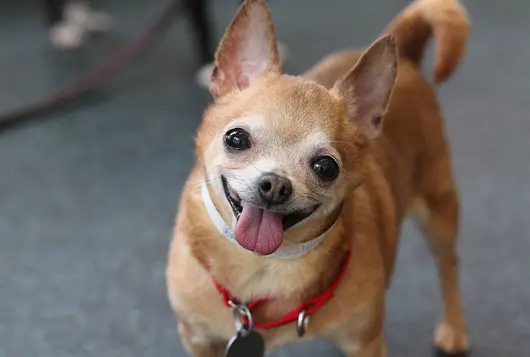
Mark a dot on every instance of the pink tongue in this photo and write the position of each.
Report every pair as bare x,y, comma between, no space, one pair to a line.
258,230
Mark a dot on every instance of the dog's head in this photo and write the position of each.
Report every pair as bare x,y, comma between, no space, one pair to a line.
282,151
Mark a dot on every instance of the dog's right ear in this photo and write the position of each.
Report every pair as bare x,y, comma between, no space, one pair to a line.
248,49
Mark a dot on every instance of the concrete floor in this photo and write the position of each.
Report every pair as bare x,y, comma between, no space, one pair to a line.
87,198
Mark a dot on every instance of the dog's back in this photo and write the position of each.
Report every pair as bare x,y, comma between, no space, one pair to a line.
413,144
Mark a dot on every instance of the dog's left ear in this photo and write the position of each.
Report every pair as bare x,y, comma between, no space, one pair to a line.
248,49
367,87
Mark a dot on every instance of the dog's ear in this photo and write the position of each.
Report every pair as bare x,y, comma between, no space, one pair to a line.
368,86
248,49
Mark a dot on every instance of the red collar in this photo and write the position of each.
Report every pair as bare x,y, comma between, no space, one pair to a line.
305,310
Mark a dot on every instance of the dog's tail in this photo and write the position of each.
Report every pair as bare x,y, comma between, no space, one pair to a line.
446,19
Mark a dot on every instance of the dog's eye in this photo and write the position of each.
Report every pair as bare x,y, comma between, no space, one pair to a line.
326,168
237,139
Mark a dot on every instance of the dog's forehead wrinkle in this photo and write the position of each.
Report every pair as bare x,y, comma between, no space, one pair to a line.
288,102
296,92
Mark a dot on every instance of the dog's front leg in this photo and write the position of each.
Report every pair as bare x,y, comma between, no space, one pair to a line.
361,334
372,348
197,342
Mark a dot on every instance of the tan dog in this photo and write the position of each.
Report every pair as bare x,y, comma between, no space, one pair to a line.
301,186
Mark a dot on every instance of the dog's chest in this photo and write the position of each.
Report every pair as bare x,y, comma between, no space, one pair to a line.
197,300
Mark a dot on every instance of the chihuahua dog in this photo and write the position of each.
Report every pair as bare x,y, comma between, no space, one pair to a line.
288,224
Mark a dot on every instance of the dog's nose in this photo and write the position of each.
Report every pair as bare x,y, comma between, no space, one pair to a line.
274,188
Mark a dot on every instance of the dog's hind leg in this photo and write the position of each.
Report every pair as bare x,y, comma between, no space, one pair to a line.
438,211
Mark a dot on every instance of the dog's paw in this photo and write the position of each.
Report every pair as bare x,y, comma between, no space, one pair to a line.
450,341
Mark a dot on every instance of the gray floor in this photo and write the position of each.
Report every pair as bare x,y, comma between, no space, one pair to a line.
87,198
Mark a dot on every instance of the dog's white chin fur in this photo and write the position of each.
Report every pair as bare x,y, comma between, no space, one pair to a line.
79,19
205,73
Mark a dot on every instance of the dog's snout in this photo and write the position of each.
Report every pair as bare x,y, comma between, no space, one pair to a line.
274,188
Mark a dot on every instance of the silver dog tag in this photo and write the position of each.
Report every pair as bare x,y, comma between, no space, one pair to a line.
247,342
246,345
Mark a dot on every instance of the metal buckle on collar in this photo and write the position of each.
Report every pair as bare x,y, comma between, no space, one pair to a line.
240,312
301,324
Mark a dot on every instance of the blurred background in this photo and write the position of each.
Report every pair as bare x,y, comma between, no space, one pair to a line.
88,195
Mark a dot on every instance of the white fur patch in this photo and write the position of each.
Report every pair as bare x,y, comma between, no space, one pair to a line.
247,177
252,123
351,347
317,139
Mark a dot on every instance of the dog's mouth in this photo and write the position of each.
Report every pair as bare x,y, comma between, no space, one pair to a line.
288,219
259,229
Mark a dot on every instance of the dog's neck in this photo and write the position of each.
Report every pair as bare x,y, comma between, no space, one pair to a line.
249,276
289,252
